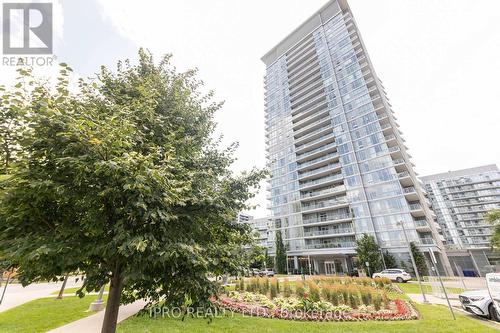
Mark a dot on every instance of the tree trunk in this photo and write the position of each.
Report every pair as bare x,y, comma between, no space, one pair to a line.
113,304
61,292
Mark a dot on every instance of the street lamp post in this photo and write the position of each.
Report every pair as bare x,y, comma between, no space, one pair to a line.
413,263
98,304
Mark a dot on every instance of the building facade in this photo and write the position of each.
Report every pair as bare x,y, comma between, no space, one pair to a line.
339,164
459,199
260,228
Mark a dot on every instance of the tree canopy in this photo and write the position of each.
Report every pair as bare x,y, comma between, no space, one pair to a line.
419,259
368,251
280,261
123,180
493,217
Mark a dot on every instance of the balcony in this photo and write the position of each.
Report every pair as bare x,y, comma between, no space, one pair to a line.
427,241
416,209
315,134
322,193
316,152
315,124
422,225
329,232
331,245
410,193
303,146
298,100
324,205
311,184
306,50
327,219
320,171
310,119
320,160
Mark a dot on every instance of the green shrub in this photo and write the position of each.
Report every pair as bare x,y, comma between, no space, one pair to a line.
242,284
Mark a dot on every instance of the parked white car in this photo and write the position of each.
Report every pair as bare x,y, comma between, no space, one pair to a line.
394,274
479,302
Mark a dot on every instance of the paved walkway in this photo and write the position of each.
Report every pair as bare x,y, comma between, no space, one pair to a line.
435,300
16,294
93,323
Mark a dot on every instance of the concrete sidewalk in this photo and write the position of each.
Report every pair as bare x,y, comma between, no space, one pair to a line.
435,300
16,294
93,323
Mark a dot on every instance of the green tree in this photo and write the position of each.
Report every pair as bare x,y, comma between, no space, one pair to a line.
419,259
280,254
256,256
368,250
493,217
269,260
12,125
390,260
123,181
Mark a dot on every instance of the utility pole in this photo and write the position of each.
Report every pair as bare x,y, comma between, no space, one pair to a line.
413,263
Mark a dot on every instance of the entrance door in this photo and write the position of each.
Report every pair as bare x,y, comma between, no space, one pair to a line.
329,268
339,267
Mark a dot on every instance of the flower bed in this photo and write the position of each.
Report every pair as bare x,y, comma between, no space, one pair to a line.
256,305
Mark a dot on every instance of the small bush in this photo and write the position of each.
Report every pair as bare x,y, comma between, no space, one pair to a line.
242,284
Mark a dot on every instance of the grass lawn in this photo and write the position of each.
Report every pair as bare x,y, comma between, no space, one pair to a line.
44,314
73,290
414,288
435,318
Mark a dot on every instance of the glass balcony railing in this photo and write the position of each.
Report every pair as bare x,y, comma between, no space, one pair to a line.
330,166
310,143
409,189
403,174
415,206
316,150
316,160
326,218
427,241
321,180
323,204
331,245
321,192
421,223
328,232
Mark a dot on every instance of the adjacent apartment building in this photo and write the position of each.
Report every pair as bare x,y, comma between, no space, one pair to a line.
459,199
260,227
340,166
